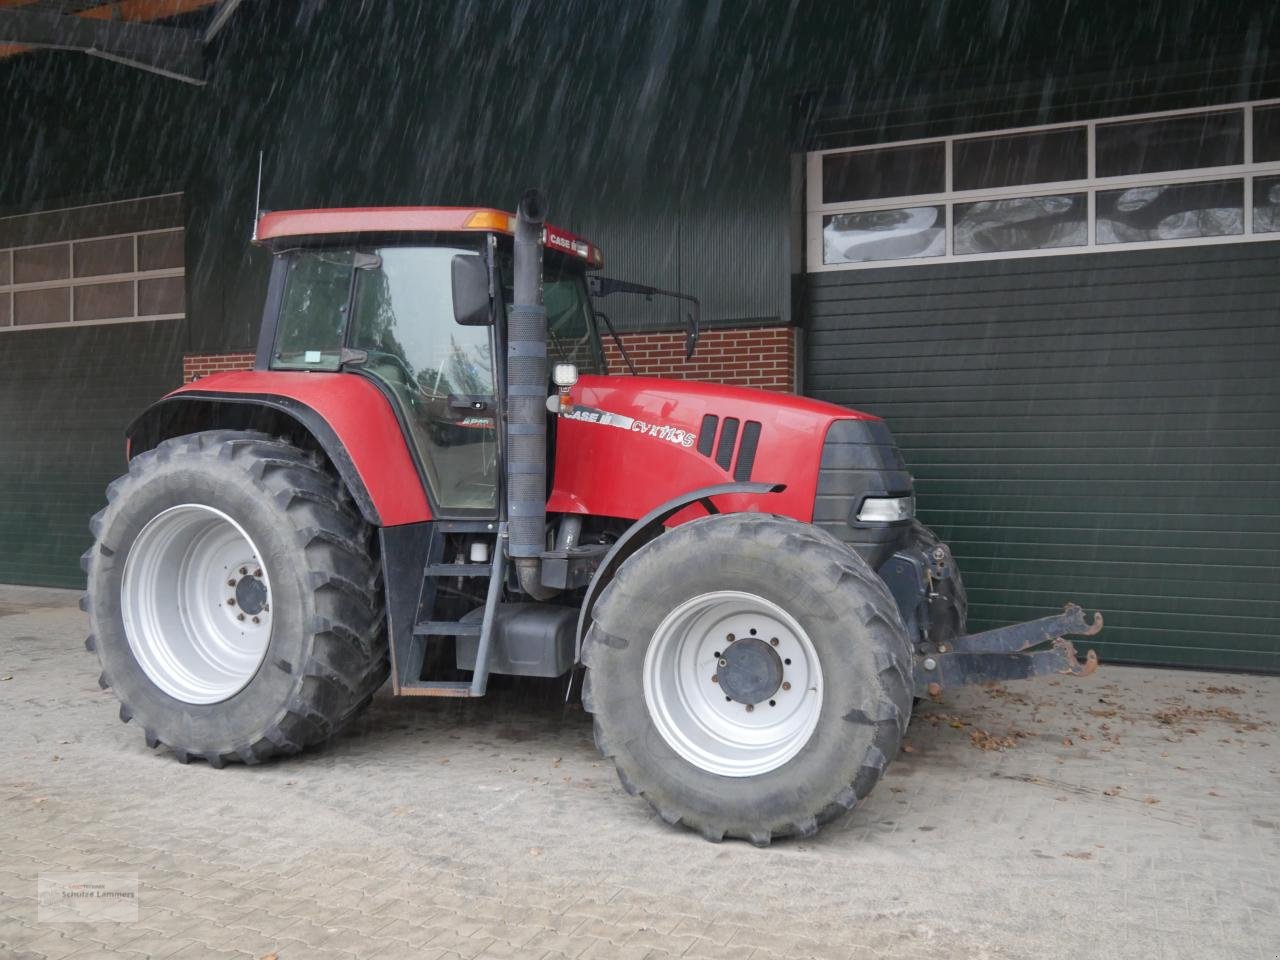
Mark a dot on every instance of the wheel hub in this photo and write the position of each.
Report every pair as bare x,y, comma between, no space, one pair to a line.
251,594
733,683
749,670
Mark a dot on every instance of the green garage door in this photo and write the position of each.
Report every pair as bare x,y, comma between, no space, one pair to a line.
1098,428
66,396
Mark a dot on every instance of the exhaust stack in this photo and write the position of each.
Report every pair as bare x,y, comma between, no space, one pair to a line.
527,402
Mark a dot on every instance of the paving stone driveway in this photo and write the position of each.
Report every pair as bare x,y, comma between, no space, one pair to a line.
1134,814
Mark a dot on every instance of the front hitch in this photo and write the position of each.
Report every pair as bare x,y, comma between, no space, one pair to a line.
1006,653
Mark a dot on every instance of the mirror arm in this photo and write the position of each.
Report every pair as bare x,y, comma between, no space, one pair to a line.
626,357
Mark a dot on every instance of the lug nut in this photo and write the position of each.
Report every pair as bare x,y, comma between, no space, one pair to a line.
255,619
930,663
786,684
723,662
750,707
774,641
231,602
715,678
243,571
258,572
729,638
239,616
231,583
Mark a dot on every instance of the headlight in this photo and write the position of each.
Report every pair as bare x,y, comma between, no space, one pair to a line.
887,509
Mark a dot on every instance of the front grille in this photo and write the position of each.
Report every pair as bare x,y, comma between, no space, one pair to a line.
859,460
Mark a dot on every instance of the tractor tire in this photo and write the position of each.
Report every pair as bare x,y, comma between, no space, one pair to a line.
688,659
949,607
233,601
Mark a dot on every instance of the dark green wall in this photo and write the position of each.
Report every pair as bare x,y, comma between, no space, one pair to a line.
1098,428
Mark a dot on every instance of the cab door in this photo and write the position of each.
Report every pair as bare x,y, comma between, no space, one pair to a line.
439,373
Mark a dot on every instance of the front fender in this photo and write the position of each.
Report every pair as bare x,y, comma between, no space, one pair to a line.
348,417
640,532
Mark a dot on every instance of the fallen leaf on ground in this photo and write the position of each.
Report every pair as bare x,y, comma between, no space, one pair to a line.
908,748
1150,801
9,677
1112,791
986,741
1080,855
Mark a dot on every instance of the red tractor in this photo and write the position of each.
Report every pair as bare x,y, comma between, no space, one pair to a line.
430,474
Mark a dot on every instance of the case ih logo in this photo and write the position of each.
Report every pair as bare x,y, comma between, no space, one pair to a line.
666,432
564,243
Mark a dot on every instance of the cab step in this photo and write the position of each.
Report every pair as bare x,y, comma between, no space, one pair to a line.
423,688
410,648
448,628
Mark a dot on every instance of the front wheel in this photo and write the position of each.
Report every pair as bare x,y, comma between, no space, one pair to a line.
749,675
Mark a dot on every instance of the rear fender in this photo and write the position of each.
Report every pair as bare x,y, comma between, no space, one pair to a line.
345,416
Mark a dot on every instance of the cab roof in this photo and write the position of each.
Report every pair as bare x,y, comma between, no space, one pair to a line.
289,224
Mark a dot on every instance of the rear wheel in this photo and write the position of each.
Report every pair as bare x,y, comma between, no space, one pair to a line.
749,675
235,607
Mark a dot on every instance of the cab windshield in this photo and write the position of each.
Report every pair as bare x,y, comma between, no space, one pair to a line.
571,331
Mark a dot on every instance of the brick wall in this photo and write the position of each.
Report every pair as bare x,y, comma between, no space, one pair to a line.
197,365
762,357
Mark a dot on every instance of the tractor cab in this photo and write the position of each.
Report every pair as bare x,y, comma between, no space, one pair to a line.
411,299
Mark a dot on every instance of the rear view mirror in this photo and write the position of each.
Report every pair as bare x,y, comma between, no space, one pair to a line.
471,290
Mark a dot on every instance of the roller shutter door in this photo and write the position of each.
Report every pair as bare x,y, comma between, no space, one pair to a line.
1097,428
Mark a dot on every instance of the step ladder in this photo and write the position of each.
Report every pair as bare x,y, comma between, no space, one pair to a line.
411,651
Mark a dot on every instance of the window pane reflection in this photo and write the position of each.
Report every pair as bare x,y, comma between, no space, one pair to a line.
1171,143
1024,223
1021,158
1171,211
1266,205
884,235
891,172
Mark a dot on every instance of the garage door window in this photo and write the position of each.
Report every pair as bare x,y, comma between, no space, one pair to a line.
98,263
1179,177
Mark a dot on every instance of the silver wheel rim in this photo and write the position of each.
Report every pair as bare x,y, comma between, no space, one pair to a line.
196,604
690,708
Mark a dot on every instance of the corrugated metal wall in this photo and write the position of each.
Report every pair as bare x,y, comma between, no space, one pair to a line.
1099,428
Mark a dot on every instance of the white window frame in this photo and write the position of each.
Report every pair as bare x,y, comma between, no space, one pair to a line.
70,282
816,209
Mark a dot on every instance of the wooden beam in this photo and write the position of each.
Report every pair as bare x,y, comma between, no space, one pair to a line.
170,51
144,11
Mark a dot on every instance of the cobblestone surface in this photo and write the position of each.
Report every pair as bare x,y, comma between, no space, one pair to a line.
1133,814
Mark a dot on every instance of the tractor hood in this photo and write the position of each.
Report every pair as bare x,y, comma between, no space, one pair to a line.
631,443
